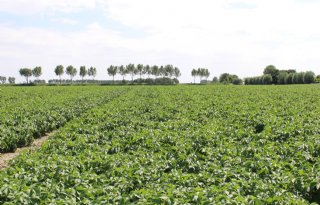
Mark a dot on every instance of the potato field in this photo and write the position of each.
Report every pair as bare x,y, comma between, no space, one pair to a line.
162,144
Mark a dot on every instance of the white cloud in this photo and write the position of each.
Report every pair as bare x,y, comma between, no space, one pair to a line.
66,21
22,7
236,36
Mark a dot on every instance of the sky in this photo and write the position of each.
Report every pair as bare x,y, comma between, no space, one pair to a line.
239,37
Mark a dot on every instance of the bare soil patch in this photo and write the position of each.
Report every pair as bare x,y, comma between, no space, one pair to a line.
6,157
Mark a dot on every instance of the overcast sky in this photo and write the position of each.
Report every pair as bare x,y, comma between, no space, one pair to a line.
236,36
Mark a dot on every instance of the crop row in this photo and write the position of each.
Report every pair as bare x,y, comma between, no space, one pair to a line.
30,112
179,145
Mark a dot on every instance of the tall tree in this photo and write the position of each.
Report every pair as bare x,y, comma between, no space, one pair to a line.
309,77
298,78
206,74
202,72
273,71
194,74
59,70
289,78
266,79
155,71
12,80
92,72
140,69
37,72
112,71
122,71
26,72
177,72
71,71
3,79
282,77
169,70
131,69
162,71
83,72
147,70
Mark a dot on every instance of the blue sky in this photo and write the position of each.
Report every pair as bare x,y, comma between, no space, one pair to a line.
235,36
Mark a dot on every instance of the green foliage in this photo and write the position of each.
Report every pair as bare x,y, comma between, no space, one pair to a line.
166,72
92,71
112,71
26,114
71,71
309,77
83,71
59,70
12,80
289,79
201,72
131,70
282,77
176,145
227,78
215,80
26,72
140,70
237,81
3,80
37,72
177,73
298,78
273,71
266,79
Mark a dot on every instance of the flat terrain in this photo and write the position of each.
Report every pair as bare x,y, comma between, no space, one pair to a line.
162,145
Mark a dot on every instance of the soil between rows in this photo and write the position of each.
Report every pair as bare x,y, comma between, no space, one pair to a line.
6,157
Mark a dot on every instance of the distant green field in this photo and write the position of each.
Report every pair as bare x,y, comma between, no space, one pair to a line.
162,145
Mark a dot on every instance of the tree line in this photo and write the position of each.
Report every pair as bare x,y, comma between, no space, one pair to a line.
27,73
200,72
141,70
166,72
11,80
271,75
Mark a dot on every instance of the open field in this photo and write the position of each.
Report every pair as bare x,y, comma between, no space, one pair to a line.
162,145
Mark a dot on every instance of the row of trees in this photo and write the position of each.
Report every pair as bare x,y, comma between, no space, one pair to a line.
11,80
271,75
72,72
200,72
27,72
164,71
141,70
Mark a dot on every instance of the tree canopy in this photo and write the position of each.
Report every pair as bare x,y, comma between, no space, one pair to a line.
26,72
71,71
37,72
